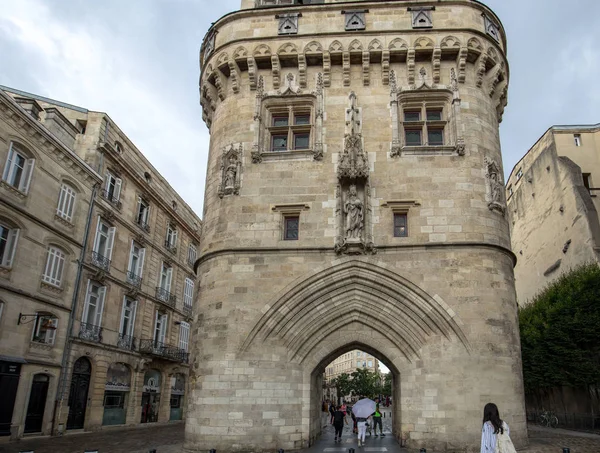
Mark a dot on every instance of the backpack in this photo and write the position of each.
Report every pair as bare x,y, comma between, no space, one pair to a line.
503,442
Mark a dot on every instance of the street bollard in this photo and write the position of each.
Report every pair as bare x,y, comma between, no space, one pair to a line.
423,450
566,450
152,451
213,451
280,450
351,450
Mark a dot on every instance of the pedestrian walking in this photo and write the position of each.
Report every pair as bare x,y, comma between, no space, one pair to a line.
377,420
331,412
361,424
339,418
495,433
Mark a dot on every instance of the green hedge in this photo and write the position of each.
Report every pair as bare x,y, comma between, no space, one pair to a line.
560,332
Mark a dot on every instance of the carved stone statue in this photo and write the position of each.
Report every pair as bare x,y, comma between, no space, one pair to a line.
496,187
354,210
230,173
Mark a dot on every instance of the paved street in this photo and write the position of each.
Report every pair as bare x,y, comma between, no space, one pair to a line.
168,439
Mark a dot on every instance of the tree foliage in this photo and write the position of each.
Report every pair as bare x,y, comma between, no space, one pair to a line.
343,384
560,332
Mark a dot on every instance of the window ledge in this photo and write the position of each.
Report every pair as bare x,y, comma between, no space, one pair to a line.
429,151
64,221
4,270
287,155
13,189
50,287
41,345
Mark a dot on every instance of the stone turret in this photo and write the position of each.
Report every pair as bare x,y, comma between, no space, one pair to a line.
352,202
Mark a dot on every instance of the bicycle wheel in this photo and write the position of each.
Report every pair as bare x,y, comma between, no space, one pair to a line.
553,421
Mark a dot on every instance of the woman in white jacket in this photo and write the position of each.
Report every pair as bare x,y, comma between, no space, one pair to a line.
493,426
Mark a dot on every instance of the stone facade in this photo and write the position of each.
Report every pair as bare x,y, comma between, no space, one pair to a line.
370,215
553,207
125,358
35,305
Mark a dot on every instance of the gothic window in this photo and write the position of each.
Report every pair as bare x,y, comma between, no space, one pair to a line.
290,127
424,124
491,28
421,17
355,20
288,23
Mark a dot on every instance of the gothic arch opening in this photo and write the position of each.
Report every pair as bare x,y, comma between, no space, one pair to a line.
318,420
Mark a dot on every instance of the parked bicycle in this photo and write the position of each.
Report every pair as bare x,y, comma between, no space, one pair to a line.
547,418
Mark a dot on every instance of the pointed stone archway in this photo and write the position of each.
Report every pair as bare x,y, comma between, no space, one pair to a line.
350,304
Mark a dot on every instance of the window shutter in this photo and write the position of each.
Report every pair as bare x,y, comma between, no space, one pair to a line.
188,293
70,204
111,239
27,174
130,265
61,200
174,238
132,323
11,249
169,277
9,160
156,331
140,266
184,335
97,238
100,307
123,316
117,193
86,305
139,207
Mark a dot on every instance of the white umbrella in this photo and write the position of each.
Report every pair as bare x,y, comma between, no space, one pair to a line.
363,408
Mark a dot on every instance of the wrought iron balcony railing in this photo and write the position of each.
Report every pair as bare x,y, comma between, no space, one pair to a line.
100,261
90,332
170,247
166,351
126,342
165,296
108,196
134,279
187,309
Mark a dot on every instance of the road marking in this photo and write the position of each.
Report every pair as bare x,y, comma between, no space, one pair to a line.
375,449
334,449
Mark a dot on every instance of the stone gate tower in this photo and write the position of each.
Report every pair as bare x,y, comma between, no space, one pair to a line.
354,199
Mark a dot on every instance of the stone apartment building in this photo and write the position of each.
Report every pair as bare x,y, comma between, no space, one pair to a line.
122,344
354,201
349,362
552,203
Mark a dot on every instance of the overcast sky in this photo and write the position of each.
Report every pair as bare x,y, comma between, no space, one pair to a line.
137,60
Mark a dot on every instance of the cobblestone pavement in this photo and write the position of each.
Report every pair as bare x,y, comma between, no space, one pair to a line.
169,439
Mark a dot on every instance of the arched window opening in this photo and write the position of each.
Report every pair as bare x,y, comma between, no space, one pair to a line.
19,168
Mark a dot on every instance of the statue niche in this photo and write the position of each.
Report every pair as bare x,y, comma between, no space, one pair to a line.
353,210
231,169
495,187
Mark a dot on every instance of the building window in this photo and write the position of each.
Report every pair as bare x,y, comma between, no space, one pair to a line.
55,264
92,311
160,327
424,125
126,328
135,267
103,245
290,128
66,203
400,225
370,364
519,174
44,330
8,244
577,138
291,226
510,191
143,213
171,238
166,275
192,254
112,188
188,293
18,169
184,336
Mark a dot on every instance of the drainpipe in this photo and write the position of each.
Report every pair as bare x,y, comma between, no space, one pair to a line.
62,381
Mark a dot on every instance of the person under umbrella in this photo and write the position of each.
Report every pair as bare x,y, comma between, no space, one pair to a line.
363,410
